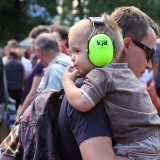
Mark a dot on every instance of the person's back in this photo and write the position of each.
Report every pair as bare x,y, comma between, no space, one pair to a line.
15,77
14,73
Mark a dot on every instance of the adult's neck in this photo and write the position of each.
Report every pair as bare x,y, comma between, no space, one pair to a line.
51,56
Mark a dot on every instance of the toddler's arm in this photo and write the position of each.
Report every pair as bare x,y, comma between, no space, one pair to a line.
74,94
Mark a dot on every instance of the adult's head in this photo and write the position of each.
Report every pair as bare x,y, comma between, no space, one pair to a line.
14,53
61,33
37,31
47,48
140,33
12,44
82,32
21,51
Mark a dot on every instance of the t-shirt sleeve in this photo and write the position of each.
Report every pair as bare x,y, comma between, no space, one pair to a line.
90,124
39,70
96,85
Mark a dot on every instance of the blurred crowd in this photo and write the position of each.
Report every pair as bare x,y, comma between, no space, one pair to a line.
23,66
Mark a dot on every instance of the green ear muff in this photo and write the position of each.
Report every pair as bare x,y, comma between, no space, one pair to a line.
100,50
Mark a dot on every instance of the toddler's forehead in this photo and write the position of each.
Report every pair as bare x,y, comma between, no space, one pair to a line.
78,39
78,35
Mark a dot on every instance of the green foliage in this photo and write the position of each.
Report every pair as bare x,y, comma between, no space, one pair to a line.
50,5
86,8
12,19
15,23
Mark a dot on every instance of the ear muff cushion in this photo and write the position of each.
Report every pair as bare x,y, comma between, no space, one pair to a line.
100,50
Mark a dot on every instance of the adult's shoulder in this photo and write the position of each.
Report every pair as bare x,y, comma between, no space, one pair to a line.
79,82
63,58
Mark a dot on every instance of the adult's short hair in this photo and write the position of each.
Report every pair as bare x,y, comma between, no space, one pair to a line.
47,42
134,22
38,30
63,32
13,43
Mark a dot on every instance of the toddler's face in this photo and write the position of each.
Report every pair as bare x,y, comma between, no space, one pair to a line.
79,56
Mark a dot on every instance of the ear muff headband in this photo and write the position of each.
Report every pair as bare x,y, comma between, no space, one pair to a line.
100,48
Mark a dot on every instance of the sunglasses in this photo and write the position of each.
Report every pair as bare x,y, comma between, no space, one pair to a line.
149,51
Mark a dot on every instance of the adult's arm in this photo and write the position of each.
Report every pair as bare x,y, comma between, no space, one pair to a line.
153,94
30,97
98,148
156,60
155,69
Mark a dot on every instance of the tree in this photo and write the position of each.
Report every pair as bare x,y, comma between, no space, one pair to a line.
12,17
86,8
16,23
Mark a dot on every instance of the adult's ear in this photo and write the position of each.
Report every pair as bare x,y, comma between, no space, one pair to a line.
127,43
39,52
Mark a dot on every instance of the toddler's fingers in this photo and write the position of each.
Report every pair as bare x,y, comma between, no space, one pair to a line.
76,72
70,68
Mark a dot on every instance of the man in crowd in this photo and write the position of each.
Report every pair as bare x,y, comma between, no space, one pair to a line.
49,52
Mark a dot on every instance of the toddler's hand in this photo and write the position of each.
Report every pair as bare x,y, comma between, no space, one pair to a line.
70,74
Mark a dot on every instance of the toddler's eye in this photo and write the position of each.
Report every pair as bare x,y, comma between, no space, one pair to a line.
75,51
